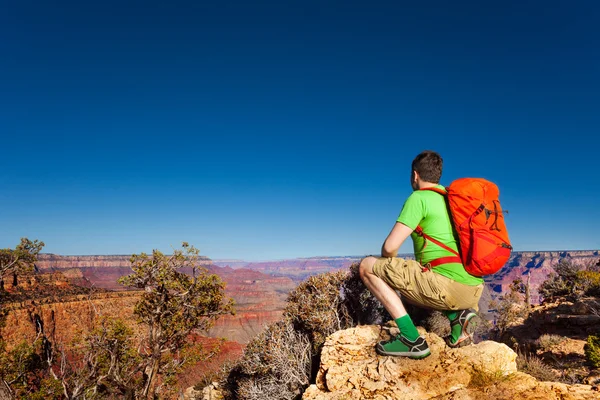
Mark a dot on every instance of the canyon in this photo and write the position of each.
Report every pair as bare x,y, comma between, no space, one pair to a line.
535,265
260,288
259,297
65,292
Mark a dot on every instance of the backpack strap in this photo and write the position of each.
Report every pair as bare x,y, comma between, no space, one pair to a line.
443,192
419,231
441,260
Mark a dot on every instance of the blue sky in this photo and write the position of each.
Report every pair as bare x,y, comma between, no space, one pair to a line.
266,130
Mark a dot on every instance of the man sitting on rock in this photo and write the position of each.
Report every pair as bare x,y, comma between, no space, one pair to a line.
446,287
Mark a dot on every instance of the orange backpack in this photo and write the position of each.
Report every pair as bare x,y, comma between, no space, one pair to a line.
479,222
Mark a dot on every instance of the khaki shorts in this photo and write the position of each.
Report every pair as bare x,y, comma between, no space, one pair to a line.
425,287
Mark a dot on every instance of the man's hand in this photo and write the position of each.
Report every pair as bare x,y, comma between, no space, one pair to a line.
395,239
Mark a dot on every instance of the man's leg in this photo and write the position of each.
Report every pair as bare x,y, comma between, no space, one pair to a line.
385,294
462,319
408,343
461,327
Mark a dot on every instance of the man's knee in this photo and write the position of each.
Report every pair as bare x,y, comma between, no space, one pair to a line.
366,266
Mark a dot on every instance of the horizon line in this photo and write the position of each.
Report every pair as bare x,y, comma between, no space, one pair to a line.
304,258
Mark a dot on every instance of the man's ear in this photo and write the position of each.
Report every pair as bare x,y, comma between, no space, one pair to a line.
415,176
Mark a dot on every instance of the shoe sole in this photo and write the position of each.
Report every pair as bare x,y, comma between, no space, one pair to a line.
467,335
417,355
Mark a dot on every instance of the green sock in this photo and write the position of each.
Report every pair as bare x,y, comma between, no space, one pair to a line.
456,329
407,328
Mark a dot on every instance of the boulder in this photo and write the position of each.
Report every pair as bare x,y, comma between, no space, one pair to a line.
350,369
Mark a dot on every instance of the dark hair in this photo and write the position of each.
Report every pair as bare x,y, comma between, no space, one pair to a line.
428,165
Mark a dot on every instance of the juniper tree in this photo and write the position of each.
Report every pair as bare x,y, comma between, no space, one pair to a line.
19,259
173,305
16,364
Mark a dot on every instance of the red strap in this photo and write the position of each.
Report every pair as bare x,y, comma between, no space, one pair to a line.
420,232
441,260
437,190
444,260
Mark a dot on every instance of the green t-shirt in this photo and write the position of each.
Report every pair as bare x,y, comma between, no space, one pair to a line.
428,209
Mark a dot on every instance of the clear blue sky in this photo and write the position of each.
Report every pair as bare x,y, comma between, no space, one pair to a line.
279,129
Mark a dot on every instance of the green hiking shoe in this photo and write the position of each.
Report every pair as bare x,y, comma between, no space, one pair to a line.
400,346
467,327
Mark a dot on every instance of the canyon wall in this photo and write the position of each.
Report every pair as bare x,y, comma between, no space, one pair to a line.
260,288
537,264
259,298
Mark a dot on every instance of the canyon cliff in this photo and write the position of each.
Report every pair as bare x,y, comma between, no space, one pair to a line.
260,288
537,264
259,297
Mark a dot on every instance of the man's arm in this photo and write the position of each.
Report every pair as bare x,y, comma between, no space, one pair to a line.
395,239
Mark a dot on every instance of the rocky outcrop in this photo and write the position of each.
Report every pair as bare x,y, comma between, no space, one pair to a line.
350,369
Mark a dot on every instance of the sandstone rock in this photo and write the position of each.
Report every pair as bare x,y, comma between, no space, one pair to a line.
212,392
350,369
191,394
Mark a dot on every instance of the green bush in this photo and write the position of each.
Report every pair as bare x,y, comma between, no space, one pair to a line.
592,350
590,282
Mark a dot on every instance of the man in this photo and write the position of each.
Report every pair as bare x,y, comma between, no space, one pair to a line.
446,287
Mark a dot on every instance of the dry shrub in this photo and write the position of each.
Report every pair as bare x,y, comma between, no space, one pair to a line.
215,376
276,365
315,307
265,387
437,323
483,328
482,378
360,304
547,341
279,351
535,367
282,361
510,310
572,281
572,376
326,303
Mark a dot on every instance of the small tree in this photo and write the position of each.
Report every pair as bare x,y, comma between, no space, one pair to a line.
21,363
563,282
511,307
572,281
592,350
19,259
172,306
102,364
